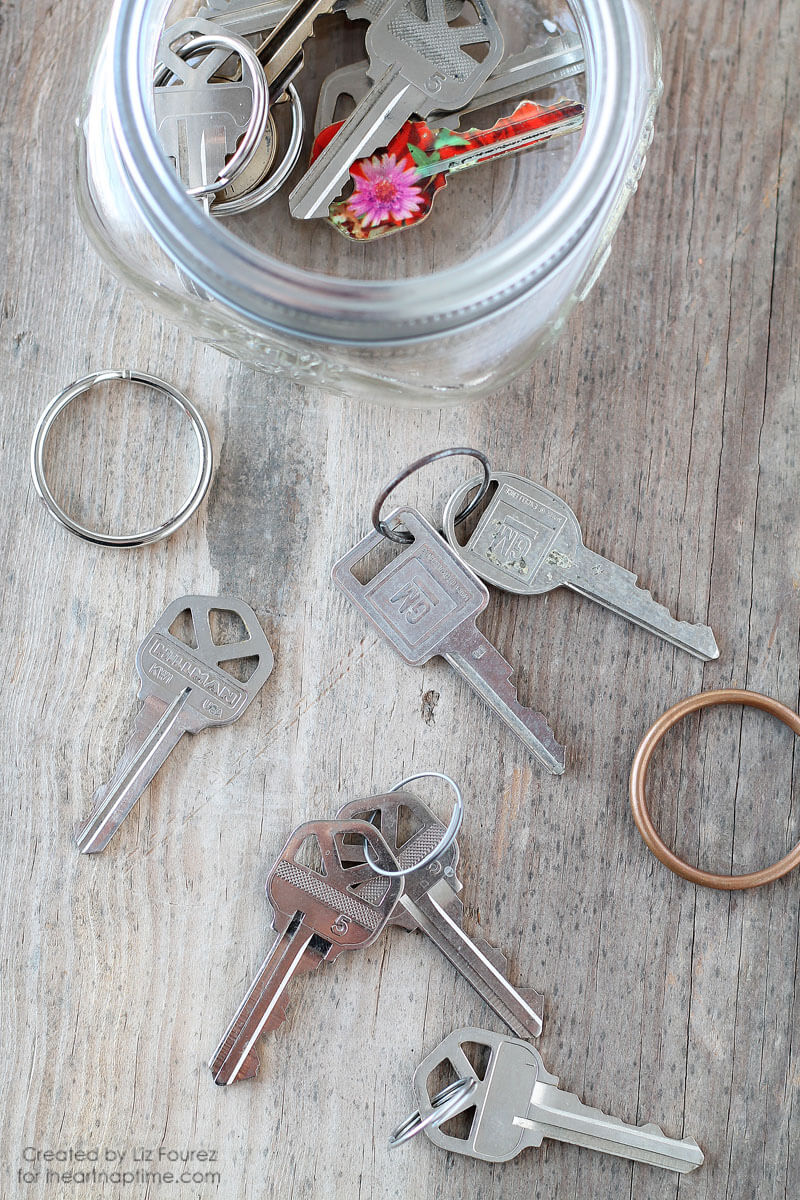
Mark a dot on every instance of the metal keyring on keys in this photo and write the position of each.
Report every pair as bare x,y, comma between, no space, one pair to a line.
125,541
638,796
449,836
259,115
403,536
443,1105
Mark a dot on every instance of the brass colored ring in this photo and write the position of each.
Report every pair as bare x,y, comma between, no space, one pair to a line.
641,815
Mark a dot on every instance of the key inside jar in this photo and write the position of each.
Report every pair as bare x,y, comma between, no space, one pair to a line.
510,104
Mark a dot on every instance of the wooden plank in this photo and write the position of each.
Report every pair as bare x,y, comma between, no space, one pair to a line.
667,417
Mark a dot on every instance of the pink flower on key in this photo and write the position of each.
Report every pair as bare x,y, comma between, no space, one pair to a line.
385,190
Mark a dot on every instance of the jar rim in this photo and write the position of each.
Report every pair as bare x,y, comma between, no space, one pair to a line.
267,289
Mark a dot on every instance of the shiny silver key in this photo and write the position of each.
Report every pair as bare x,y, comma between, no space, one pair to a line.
418,63
518,1103
528,541
199,121
424,603
430,903
184,688
319,912
516,77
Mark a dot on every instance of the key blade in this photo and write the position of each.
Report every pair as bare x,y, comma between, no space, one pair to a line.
489,674
432,915
615,588
561,1116
369,127
158,729
264,1007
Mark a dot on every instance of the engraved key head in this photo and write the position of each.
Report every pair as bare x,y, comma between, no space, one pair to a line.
526,540
339,900
411,832
222,676
418,599
505,1079
434,53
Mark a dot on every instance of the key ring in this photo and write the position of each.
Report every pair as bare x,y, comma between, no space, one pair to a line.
638,797
447,839
404,536
259,114
189,506
275,181
443,1105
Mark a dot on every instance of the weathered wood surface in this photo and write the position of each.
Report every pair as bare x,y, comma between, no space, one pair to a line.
668,416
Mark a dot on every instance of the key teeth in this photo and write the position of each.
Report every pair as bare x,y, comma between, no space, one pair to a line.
692,632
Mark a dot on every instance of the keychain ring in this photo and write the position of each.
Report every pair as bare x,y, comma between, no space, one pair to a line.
404,536
259,114
274,182
443,1105
449,836
199,489
638,794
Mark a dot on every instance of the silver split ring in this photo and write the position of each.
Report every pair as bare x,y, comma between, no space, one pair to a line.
447,839
57,406
443,1105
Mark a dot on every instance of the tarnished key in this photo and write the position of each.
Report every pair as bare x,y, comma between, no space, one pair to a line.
184,689
518,1103
430,903
528,541
418,62
424,603
318,913
516,78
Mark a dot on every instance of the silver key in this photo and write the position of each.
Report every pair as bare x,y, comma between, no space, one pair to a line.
425,603
200,122
528,541
518,1103
518,76
429,902
318,913
184,689
418,63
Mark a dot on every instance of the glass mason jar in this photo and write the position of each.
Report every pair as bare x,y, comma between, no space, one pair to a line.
449,309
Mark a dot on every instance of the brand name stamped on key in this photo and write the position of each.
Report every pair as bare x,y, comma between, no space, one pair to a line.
417,595
193,672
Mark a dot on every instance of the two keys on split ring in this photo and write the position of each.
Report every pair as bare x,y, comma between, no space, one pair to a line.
527,540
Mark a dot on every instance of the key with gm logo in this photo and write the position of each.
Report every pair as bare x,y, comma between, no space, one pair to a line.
528,541
185,687
425,603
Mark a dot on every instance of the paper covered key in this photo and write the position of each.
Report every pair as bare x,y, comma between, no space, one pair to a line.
518,1103
419,61
396,189
320,911
424,603
429,902
528,541
184,687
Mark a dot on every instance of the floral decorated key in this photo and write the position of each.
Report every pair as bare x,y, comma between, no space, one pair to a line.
397,189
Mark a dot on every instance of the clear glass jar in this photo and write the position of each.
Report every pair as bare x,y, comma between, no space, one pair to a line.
450,309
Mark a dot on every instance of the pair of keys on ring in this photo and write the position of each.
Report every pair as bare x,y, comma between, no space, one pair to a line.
527,541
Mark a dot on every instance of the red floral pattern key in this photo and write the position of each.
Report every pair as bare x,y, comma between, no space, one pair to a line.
397,189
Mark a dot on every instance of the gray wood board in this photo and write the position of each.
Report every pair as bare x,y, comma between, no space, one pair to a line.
667,416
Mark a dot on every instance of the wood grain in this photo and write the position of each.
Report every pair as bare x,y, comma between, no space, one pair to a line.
667,416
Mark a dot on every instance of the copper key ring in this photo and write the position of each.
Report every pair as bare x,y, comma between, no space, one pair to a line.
638,797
